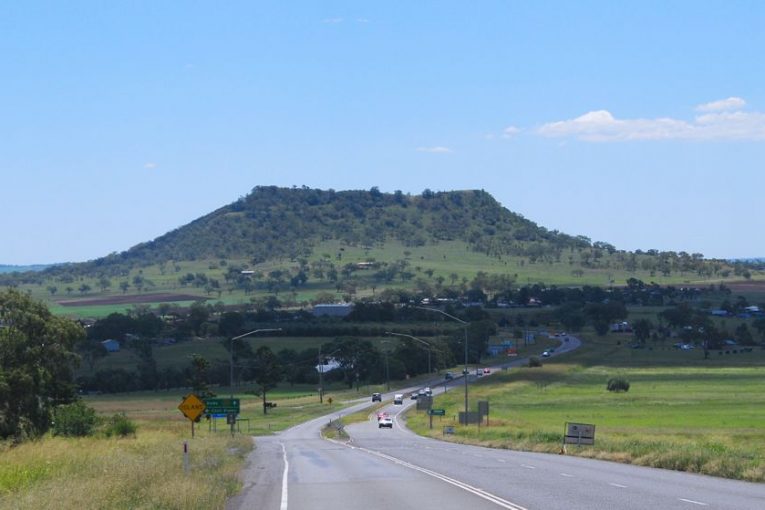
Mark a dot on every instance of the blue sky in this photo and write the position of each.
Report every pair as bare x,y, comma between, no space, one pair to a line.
637,123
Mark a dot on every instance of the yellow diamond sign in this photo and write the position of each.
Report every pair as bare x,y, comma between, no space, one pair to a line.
192,407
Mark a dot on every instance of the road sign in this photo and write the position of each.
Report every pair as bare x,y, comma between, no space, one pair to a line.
469,417
222,405
579,433
192,407
437,412
424,402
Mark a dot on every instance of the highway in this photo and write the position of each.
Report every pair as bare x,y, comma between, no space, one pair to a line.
396,469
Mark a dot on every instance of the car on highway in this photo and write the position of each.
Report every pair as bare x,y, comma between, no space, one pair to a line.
448,376
413,396
486,371
546,354
376,397
385,422
398,399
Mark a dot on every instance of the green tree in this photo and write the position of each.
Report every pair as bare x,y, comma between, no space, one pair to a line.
267,372
197,375
642,329
37,363
104,283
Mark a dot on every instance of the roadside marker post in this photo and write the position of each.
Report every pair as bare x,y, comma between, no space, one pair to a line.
186,457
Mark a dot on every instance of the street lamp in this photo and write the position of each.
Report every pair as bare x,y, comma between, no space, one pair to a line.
418,340
321,374
465,325
387,367
231,353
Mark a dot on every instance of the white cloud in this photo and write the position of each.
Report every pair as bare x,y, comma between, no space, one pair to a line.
510,132
362,20
434,150
332,20
732,103
719,124
150,165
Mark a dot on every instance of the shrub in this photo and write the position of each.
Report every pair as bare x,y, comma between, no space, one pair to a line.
74,420
618,384
534,362
119,425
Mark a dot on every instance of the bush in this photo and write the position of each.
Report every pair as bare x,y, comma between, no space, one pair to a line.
74,420
618,384
119,425
534,362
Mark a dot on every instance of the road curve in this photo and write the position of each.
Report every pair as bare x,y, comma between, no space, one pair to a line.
397,469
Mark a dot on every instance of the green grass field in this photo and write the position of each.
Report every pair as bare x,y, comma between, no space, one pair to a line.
450,262
146,471
681,412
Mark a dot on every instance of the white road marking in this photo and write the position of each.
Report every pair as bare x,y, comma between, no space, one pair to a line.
567,475
693,502
462,485
501,460
618,485
527,466
283,506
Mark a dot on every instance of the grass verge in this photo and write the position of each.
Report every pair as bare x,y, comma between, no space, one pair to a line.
702,416
147,471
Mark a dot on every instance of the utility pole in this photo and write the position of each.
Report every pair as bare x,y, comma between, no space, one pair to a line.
231,353
465,325
321,378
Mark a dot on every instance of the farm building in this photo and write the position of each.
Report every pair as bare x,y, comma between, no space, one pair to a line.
111,345
332,310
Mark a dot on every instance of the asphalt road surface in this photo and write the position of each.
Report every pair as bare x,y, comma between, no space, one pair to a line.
394,469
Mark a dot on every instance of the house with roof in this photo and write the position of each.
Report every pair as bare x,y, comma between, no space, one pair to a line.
111,345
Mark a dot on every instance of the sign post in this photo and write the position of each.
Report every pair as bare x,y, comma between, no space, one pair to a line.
483,409
435,412
192,408
579,434
226,406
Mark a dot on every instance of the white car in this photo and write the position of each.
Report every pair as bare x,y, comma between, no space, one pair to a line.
398,399
385,422
546,354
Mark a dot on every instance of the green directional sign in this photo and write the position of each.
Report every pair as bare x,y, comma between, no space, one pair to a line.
222,405
437,412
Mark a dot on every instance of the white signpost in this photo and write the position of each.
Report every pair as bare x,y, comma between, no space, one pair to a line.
579,434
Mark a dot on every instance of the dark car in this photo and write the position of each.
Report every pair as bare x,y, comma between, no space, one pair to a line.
448,376
376,397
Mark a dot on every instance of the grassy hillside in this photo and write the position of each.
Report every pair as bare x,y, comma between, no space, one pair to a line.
302,244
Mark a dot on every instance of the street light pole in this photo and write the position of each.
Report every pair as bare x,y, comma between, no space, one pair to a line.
321,374
430,371
231,354
465,325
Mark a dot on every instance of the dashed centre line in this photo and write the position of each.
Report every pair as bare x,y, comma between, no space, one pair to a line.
527,466
618,485
567,475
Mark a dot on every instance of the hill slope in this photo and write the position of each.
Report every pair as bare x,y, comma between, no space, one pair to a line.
272,223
